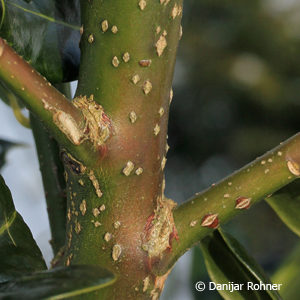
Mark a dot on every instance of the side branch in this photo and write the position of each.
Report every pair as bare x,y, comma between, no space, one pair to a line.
206,210
64,121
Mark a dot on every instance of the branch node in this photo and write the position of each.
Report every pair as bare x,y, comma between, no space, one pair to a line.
98,127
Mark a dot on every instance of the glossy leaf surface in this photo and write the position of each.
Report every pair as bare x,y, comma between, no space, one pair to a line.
46,34
19,252
288,274
58,283
286,204
228,262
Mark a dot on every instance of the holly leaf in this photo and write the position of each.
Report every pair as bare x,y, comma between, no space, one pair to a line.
46,34
286,204
58,283
228,262
19,252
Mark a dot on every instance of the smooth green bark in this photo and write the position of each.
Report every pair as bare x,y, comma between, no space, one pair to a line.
129,72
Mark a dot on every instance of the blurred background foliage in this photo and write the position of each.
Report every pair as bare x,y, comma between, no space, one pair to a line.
236,96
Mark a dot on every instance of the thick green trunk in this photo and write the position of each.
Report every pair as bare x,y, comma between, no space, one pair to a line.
118,216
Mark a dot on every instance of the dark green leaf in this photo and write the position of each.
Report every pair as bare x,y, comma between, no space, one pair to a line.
286,204
45,33
289,275
227,261
19,252
5,146
58,283
199,273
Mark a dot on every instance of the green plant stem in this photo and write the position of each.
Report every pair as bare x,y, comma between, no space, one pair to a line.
54,186
256,181
129,73
62,119
53,180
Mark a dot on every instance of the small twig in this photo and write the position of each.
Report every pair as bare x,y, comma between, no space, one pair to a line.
206,210
64,121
